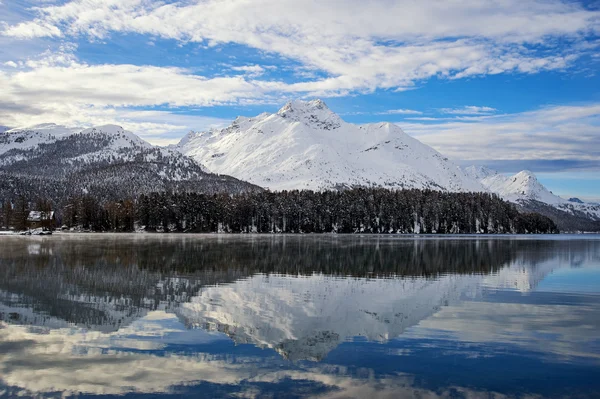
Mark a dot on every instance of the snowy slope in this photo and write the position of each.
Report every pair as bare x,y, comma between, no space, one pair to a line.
32,136
307,146
523,185
116,141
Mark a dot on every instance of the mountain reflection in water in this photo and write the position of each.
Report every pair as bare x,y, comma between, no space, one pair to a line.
299,316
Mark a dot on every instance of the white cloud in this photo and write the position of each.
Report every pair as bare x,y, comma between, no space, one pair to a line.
518,324
249,70
469,110
76,361
55,87
551,133
337,52
59,87
32,29
400,112
386,45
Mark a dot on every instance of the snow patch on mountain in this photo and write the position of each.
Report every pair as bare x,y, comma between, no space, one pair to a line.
307,146
121,137
112,143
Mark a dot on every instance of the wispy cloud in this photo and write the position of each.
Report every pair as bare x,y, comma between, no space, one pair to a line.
469,110
252,71
555,134
399,44
400,112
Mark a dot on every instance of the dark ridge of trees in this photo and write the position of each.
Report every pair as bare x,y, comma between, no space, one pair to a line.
565,221
360,210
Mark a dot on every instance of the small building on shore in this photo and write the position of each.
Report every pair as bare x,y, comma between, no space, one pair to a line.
43,219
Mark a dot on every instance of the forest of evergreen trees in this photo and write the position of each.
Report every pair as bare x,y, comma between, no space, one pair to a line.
360,210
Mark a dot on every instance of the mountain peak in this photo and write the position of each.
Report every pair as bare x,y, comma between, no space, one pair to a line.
523,186
307,146
527,180
303,106
526,174
110,129
186,139
119,136
312,113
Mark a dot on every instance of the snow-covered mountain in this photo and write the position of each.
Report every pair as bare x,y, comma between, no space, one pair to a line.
521,186
307,146
524,188
54,162
97,144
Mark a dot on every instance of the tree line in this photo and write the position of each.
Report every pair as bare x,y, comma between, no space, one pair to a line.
359,210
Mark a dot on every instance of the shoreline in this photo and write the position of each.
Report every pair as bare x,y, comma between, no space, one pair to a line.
360,234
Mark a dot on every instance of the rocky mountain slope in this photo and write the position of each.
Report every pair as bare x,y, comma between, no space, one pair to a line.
107,161
307,146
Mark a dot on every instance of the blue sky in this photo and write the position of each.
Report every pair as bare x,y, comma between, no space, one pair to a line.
509,84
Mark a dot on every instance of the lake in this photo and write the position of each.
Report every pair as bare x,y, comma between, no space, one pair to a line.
314,316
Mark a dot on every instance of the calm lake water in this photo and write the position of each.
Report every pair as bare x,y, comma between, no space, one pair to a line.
299,316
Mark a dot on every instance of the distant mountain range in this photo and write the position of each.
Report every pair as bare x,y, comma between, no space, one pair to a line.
303,146
307,146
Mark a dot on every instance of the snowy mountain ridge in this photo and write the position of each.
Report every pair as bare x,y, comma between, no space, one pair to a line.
307,146
105,143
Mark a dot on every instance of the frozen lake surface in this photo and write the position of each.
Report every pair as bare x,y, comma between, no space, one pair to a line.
319,316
